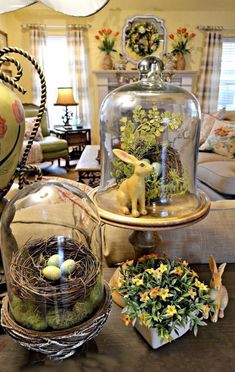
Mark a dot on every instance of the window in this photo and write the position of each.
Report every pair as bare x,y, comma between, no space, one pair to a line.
57,75
227,76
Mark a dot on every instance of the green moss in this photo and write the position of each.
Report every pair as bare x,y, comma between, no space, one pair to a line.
31,316
59,318
27,314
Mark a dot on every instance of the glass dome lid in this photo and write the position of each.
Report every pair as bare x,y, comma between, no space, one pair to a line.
51,251
149,143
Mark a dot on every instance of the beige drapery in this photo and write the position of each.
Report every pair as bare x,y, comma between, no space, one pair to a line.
38,36
209,76
78,66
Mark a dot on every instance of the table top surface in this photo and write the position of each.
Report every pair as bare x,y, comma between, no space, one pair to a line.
60,129
118,348
88,161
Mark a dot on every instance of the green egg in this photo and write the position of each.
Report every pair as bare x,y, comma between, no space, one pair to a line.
157,167
55,260
52,273
68,266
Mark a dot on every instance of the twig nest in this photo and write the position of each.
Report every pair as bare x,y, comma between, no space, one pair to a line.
56,297
68,267
52,273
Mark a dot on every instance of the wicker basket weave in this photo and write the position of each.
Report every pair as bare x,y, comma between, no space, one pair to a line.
58,345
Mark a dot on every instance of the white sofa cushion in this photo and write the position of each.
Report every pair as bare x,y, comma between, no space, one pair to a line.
206,157
219,175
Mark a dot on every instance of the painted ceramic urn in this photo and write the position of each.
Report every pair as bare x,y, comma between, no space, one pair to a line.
12,126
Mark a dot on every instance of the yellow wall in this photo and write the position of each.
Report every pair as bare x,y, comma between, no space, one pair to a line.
106,18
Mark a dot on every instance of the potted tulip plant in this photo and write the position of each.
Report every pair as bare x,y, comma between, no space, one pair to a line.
164,298
181,43
107,40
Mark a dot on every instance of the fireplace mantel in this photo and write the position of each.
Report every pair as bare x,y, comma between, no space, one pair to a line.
107,80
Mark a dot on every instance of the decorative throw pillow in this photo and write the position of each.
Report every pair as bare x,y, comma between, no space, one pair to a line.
208,122
29,124
221,139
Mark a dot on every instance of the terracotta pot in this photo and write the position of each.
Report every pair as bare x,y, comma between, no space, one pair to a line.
12,127
107,63
180,61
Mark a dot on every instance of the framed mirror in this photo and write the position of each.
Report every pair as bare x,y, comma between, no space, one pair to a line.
143,36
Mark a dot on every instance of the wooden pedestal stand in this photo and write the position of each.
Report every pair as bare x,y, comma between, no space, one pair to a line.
144,238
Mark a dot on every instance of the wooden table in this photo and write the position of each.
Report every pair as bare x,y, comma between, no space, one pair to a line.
76,137
88,167
118,348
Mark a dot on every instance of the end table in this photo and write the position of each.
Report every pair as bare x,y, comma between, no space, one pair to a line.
77,138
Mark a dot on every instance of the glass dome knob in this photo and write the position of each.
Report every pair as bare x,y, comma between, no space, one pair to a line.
149,66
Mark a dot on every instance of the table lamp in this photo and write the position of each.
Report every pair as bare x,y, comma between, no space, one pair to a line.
65,98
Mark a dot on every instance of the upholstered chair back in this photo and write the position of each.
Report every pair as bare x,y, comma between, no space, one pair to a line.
31,110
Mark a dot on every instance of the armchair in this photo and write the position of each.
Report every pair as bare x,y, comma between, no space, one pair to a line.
52,147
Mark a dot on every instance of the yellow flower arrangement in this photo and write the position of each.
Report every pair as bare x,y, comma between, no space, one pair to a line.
164,294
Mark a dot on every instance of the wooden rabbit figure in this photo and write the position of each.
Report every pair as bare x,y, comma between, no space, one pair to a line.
131,192
218,292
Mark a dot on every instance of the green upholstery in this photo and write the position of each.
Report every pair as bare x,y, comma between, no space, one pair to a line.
31,110
47,142
52,147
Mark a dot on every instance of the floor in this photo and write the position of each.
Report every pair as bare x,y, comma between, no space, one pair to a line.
52,169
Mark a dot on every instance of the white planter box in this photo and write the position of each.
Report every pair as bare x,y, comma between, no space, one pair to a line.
151,335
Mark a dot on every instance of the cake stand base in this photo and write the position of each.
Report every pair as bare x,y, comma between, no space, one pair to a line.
144,242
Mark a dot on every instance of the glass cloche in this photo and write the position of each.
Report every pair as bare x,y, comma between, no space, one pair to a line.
51,251
149,144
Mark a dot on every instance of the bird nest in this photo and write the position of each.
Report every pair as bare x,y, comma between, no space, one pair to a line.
28,283
169,157
60,344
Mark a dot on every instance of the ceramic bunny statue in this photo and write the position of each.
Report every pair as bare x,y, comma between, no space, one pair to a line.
131,192
218,292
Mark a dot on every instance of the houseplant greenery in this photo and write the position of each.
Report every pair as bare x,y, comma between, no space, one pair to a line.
164,294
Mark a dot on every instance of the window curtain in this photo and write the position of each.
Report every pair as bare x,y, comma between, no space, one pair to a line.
209,78
38,36
77,42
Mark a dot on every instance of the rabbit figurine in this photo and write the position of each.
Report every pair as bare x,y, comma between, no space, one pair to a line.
218,292
131,192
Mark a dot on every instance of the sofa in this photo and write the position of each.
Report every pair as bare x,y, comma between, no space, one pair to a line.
52,148
216,168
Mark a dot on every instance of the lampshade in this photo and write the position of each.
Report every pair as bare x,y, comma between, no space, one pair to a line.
79,8
11,5
65,97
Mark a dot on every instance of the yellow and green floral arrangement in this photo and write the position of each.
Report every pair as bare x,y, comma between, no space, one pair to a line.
145,135
164,294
